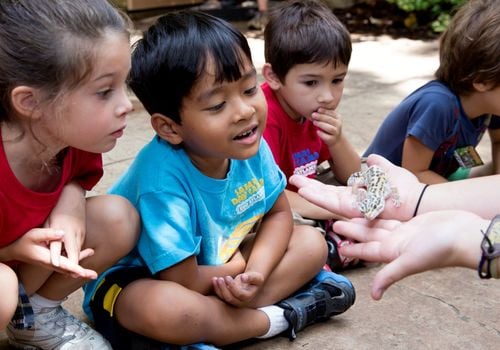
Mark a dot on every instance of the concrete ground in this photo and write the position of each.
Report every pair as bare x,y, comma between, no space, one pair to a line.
443,309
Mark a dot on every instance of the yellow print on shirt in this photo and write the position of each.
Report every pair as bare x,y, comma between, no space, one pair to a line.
248,194
232,243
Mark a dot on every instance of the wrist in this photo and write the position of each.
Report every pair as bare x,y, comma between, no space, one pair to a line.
467,243
489,264
236,266
337,143
419,199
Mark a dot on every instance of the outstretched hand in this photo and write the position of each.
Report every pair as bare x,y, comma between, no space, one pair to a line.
428,241
240,290
340,199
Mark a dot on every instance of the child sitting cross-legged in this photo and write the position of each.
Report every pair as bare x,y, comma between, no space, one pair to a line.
218,260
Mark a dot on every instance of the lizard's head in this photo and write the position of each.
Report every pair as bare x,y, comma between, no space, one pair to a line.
372,206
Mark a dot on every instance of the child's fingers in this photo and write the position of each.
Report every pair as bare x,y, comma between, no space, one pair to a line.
55,252
86,253
252,279
329,127
238,290
216,287
72,248
221,287
70,268
46,235
331,113
326,120
222,290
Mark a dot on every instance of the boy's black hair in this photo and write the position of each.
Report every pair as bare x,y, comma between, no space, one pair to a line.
300,32
173,54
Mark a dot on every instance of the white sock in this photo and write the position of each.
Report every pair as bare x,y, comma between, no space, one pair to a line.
277,321
38,302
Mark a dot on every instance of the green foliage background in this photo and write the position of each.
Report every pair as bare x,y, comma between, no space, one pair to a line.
438,11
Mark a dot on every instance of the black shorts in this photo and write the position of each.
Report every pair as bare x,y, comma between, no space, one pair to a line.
102,305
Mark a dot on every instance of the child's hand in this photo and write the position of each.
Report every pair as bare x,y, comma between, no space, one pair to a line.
238,291
329,125
339,199
74,236
35,248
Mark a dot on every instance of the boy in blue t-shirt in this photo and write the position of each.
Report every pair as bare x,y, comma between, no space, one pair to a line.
218,259
434,131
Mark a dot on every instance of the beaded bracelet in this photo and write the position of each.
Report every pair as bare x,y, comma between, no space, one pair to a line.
490,247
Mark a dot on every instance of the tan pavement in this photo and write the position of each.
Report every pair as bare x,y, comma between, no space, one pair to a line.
443,309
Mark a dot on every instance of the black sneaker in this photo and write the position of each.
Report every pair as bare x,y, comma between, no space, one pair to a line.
327,295
336,261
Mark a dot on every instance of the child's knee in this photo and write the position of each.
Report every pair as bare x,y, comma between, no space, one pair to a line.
312,242
120,213
8,301
148,306
115,220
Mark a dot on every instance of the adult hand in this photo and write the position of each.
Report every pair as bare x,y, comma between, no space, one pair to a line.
428,241
341,199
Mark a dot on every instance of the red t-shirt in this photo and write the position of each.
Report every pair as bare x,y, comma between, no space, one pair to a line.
296,147
22,209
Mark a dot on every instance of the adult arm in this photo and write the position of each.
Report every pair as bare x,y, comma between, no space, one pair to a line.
477,195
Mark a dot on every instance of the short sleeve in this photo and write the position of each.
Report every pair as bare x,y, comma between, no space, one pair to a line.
86,168
272,135
434,119
167,234
275,178
494,122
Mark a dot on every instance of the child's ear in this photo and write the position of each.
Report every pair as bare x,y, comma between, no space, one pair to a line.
166,128
271,77
482,87
24,100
